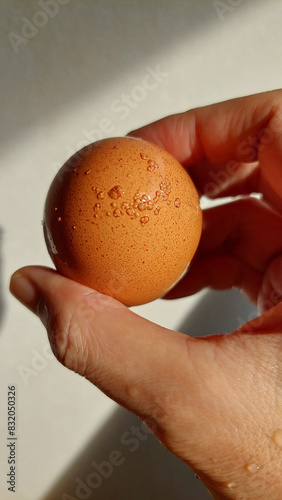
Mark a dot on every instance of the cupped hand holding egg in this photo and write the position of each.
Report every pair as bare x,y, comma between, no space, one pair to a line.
122,216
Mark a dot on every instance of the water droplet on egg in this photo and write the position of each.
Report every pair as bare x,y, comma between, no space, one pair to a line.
87,172
165,187
152,165
141,207
130,211
117,213
144,220
177,202
116,192
73,227
144,157
59,219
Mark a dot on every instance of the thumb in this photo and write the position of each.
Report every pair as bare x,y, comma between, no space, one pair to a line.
94,335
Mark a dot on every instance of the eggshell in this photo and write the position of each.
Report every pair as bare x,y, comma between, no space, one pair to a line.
122,216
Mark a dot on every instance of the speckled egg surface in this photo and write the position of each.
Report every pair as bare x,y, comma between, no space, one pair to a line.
122,216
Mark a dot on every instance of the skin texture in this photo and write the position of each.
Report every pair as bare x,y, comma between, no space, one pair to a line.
216,402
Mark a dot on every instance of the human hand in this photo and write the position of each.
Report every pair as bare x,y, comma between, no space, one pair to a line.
216,402
231,149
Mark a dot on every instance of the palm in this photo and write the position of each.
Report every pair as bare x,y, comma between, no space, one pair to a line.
225,385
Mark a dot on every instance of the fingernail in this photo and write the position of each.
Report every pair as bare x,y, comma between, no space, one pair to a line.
24,290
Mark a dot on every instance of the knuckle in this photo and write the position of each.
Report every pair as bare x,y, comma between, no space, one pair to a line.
72,337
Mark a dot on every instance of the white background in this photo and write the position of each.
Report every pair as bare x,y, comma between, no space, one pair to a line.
68,69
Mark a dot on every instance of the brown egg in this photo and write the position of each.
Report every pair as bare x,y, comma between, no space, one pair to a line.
122,216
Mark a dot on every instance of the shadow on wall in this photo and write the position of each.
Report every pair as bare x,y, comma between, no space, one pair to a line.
218,312
57,51
1,279
124,461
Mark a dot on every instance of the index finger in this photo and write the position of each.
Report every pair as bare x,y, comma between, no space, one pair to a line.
244,130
